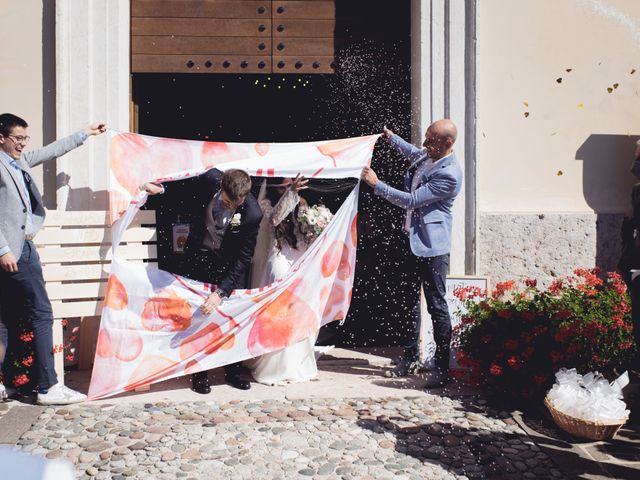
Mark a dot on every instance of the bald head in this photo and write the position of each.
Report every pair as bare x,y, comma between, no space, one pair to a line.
445,128
439,138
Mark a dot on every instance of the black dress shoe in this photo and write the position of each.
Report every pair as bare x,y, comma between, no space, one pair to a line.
200,383
236,381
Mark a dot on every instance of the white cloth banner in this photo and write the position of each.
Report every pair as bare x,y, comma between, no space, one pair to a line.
151,327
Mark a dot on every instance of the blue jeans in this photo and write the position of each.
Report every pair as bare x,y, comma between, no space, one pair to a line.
23,299
4,339
432,273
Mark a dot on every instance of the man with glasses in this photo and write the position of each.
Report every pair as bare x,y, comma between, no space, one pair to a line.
22,291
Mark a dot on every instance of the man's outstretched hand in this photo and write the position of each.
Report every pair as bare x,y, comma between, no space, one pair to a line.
211,303
152,188
96,128
386,133
369,177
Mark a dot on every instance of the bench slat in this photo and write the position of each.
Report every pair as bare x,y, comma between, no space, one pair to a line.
72,291
94,254
93,218
76,309
92,235
53,273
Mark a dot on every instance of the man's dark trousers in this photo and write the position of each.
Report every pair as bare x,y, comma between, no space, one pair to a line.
432,273
205,266
24,299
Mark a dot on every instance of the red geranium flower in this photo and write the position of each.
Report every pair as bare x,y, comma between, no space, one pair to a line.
26,337
20,380
556,356
514,362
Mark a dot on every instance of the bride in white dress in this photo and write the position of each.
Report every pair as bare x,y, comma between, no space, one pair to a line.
282,238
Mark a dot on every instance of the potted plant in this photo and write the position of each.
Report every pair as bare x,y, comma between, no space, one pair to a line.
515,339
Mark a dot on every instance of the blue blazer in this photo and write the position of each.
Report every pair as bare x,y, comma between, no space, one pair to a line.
431,202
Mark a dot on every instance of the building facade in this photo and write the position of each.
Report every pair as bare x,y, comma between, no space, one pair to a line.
545,95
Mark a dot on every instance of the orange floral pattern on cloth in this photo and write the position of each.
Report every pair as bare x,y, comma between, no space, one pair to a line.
167,311
130,161
282,322
336,149
152,328
206,341
116,295
216,153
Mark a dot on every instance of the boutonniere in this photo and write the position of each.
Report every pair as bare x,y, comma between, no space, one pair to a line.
235,220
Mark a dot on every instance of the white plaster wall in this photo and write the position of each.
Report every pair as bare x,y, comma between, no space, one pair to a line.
573,152
21,64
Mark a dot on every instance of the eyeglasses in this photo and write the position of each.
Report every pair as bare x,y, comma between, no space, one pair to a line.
19,138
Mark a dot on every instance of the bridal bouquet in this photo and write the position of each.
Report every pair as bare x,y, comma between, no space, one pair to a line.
313,221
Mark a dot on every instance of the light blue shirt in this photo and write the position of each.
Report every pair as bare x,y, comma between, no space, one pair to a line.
28,230
28,226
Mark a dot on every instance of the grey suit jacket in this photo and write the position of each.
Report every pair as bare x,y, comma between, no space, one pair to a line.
431,203
13,199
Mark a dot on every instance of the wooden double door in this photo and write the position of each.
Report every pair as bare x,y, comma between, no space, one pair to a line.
235,36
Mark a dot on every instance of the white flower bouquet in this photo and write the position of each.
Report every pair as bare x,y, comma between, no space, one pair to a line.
313,221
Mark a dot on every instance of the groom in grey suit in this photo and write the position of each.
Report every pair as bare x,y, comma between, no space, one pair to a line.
431,184
22,291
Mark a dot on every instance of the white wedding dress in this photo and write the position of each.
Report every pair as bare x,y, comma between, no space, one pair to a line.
295,363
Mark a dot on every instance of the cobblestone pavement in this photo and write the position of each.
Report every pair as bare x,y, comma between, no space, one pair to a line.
422,437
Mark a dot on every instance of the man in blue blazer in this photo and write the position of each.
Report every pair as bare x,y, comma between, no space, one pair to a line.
431,184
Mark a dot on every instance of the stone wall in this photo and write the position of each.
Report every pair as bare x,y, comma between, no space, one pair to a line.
546,246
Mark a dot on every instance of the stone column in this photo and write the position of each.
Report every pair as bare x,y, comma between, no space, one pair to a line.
443,61
92,64
443,85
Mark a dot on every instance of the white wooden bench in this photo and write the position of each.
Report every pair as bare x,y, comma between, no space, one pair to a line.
75,250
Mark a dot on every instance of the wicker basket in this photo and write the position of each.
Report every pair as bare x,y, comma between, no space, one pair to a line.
584,428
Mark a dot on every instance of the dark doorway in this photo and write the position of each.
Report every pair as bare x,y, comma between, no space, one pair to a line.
371,88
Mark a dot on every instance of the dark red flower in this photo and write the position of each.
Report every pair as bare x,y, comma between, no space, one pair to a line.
495,369
20,380
27,337
539,379
511,344
514,362
556,356
556,287
527,315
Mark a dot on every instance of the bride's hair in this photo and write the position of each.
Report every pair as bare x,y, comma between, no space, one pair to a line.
286,229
